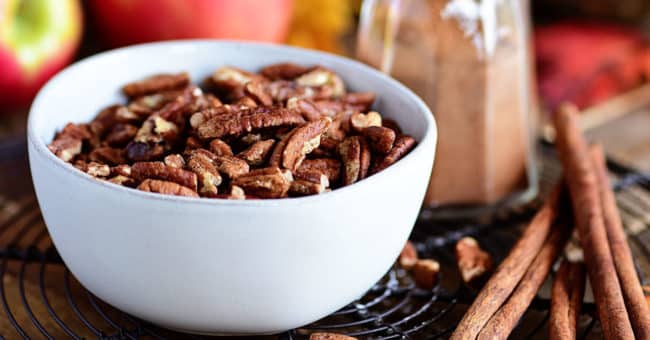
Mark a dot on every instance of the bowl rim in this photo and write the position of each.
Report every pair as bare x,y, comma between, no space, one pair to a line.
429,137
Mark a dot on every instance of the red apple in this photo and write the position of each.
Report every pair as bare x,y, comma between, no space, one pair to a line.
124,22
37,39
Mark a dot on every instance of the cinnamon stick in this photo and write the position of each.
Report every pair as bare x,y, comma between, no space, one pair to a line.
583,188
510,271
505,319
635,301
566,300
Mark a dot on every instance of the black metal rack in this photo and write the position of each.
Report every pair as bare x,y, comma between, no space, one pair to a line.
40,297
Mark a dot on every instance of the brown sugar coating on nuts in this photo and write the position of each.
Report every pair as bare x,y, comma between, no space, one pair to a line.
289,130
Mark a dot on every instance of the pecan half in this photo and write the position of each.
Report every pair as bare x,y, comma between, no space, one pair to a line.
76,131
121,170
230,81
166,187
360,121
238,123
209,178
380,138
265,183
158,170
147,104
246,102
328,166
402,146
175,161
306,107
360,101
231,166
286,71
302,141
123,180
308,182
356,159
328,83
474,263
193,143
425,273
104,121
251,138
391,124
97,169
108,155
66,147
256,90
409,256
276,156
220,148
156,83
257,153
236,193
203,116
121,134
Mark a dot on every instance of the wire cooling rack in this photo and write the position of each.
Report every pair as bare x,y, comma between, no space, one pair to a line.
40,298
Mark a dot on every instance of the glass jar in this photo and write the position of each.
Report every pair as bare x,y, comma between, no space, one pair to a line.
470,61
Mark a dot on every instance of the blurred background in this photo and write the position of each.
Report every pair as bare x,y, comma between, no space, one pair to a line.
585,51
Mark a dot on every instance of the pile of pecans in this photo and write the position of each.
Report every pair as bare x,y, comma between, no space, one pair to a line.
288,131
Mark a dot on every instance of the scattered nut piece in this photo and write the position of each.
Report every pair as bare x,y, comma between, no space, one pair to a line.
166,188
409,256
425,273
473,262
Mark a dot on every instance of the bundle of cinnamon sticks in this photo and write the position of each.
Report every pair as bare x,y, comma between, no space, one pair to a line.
621,305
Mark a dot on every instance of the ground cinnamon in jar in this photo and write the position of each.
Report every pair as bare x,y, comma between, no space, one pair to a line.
469,61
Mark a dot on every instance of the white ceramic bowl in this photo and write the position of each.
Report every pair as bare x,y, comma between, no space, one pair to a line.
219,266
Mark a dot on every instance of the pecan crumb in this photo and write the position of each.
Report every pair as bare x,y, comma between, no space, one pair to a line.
409,256
474,263
425,273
